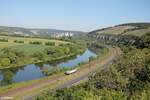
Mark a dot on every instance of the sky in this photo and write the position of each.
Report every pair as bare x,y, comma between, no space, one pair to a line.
79,15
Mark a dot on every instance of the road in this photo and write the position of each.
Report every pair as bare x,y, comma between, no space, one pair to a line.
61,81
101,67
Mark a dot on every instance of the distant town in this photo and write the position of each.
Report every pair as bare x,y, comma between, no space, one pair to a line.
62,34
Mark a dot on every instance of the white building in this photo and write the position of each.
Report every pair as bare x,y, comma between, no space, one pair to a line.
62,34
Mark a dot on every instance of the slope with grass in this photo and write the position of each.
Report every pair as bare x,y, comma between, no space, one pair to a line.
135,29
115,30
138,32
127,78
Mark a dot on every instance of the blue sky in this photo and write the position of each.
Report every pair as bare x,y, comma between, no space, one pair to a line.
84,15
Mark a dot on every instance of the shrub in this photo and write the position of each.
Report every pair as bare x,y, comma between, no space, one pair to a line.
18,41
50,43
5,61
36,42
3,40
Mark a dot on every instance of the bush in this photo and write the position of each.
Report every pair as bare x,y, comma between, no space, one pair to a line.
36,42
50,43
128,78
146,40
18,41
7,77
5,61
3,40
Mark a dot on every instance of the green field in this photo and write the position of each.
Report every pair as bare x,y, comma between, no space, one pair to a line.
26,46
8,44
29,48
26,41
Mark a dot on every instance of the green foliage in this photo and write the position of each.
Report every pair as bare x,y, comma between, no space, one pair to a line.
50,43
36,42
7,75
109,78
28,49
107,94
51,71
128,78
39,56
4,61
24,54
68,94
3,40
146,40
79,93
18,41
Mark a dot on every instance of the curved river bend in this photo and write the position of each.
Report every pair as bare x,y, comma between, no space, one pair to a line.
34,71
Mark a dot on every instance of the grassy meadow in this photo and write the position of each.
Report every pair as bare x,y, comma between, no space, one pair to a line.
26,46
27,40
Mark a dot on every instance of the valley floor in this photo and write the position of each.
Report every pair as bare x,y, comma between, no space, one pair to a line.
60,80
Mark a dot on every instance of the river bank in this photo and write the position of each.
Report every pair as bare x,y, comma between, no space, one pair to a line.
45,60
54,81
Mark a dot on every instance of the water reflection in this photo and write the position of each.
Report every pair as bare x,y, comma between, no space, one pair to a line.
34,71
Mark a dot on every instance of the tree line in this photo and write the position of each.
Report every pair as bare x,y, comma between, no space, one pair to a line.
12,57
31,42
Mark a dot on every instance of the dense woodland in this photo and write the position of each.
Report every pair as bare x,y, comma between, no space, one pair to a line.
128,78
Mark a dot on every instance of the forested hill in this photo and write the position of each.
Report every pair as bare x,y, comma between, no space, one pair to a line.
135,29
32,31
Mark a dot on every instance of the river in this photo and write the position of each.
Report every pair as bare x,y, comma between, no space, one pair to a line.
34,71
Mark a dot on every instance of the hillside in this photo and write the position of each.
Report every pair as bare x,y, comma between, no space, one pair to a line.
33,31
136,29
126,78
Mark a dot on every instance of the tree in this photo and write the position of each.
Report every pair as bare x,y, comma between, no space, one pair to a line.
7,77
36,42
50,43
146,40
39,55
5,61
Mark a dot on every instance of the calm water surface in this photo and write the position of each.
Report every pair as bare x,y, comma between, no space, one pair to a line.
34,71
